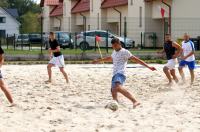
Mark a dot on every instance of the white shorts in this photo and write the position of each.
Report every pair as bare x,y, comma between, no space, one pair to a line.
171,64
58,61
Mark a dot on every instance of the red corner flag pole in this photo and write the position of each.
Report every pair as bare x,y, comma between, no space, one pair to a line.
98,39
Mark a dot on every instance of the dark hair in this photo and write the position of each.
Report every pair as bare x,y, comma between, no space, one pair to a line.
115,40
167,34
51,33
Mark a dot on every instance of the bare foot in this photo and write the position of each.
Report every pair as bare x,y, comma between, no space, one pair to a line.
48,81
136,104
13,105
169,84
176,80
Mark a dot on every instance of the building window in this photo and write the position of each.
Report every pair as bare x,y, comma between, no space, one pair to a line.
131,2
2,19
140,21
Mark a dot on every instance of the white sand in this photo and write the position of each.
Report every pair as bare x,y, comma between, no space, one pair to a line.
79,107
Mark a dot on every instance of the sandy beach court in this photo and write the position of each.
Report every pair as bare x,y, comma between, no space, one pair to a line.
79,106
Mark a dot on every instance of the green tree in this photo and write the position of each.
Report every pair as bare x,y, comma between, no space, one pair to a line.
3,3
24,6
30,23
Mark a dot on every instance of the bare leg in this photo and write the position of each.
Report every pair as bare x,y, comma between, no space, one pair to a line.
173,73
192,76
167,73
180,69
127,95
6,91
64,74
49,66
114,94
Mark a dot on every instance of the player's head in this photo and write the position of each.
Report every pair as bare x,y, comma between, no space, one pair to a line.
167,37
116,44
186,37
52,35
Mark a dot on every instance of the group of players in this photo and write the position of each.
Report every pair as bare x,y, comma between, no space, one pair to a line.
120,57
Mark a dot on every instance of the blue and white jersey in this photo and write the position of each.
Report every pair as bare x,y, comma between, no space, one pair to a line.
120,59
188,47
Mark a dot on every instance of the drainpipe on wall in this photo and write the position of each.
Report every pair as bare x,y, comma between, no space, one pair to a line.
84,22
84,26
170,15
120,21
60,22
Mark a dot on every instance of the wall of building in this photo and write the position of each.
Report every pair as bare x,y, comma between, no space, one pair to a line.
95,14
153,25
67,5
185,18
46,19
56,23
135,20
110,19
11,26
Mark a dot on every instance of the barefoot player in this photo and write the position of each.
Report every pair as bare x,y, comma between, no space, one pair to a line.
172,50
187,58
120,57
3,87
56,58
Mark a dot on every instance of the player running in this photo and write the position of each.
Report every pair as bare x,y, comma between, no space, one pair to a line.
172,51
187,58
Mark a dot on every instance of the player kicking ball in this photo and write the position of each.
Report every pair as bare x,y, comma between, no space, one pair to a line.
56,58
2,84
120,57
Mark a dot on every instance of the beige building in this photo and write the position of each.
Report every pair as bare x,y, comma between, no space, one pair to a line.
145,21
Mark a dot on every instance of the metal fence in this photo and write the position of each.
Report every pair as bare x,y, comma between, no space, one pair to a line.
84,33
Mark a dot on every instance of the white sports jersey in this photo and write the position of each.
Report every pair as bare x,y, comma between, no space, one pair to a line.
188,47
120,59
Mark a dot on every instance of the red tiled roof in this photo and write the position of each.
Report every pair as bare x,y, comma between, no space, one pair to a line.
49,2
113,3
57,11
81,6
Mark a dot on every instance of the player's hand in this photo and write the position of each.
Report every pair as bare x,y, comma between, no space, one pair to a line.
183,57
50,57
95,62
174,57
49,50
152,68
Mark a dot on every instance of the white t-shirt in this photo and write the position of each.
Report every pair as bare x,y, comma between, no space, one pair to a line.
120,59
188,47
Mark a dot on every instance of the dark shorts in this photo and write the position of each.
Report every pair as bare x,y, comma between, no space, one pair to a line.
191,64
1,75
118,78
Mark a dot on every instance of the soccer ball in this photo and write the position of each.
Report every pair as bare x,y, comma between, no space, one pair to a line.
112,106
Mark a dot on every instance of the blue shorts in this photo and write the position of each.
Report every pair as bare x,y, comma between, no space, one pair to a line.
191,64
118,78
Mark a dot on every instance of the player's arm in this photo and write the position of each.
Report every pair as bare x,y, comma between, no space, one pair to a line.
141,62
190,54
107,59
56,50
1,60
161,51
179,49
